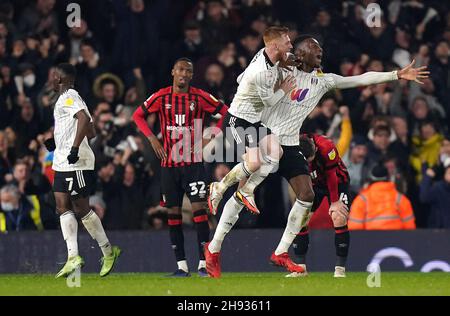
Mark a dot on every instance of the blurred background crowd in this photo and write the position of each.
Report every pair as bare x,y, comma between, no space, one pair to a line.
124,50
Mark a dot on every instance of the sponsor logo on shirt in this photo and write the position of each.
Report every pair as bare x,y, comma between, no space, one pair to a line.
299,94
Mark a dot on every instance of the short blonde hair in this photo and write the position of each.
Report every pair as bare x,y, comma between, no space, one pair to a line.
273,33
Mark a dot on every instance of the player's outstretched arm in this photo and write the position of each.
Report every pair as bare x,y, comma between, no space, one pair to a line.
373,77
413,74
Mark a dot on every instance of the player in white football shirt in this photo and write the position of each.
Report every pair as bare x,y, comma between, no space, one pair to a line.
73,163
285,121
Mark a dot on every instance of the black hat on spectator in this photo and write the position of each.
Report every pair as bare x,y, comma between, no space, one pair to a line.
379,173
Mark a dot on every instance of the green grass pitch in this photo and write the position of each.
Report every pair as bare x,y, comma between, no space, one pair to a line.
239,284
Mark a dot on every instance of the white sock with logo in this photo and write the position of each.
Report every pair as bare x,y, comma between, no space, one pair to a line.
229,217
69,228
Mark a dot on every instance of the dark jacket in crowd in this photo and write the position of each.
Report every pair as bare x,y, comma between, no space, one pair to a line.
437,195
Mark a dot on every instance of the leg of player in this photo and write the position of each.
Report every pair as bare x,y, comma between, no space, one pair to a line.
270,153
298,217
241,171
94,227
200,218
229,217
69,228
177,240
341,241
301,241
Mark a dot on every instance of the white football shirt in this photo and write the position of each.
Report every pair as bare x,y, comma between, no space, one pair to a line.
67,105
286,118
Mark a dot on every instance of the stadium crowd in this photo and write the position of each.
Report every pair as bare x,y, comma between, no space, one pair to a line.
124,50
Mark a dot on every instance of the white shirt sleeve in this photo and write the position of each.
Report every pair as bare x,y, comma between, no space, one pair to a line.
365,79
74,104
264,82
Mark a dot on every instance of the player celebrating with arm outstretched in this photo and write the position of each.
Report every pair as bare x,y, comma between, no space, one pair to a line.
243,129
73,163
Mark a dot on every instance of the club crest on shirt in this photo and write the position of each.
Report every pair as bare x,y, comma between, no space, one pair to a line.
192,105
168,106
69,102
332,154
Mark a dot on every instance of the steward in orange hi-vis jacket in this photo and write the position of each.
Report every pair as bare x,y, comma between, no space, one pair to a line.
380,206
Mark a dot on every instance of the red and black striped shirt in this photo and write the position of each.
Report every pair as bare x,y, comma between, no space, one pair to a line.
182,117
327,169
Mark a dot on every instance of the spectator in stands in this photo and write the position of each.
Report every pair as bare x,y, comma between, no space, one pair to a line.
26,126
379,145
126,193
108,88
39,18
357,164
89,67
380,206
437,197
249,44
425,147
6,160
16,211
192,45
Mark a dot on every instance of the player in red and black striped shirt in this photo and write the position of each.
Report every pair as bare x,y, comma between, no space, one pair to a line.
182,111
330,179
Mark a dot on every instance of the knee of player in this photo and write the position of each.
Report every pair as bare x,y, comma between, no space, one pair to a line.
274,151
253,164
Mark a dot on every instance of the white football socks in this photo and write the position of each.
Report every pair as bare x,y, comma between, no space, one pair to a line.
229,217
182,265
69,228
95,228
297,218
201,264
239,172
